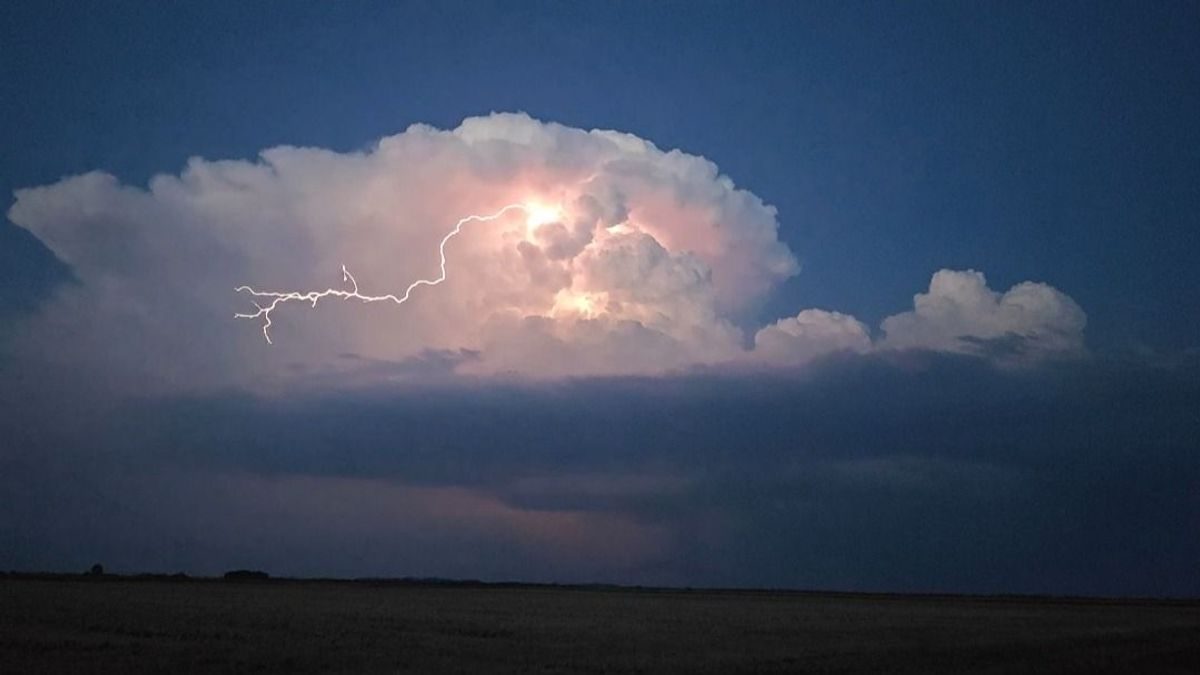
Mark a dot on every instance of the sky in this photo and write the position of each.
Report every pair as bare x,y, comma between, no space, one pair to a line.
853,296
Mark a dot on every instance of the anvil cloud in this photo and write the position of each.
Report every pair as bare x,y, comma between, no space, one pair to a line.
653,262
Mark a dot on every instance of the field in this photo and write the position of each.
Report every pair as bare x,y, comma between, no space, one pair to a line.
121,626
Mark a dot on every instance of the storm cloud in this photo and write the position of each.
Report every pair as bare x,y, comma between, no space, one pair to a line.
902,470
625,259
580,400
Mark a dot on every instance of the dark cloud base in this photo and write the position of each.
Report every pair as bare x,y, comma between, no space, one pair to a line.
907,472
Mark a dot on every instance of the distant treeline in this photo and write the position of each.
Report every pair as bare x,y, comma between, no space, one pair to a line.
246,575
263,577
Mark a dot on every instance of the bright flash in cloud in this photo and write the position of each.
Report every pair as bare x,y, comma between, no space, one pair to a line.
582,305
540,214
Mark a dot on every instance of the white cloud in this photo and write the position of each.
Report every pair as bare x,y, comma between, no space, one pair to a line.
960,313
810,334
652,254
639,261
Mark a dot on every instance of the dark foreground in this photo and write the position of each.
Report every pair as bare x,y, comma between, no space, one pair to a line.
73,626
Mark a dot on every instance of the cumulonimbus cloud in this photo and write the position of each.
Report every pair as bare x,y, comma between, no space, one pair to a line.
627,259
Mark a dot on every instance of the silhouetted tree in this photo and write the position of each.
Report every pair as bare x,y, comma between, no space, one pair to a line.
246,575
96,570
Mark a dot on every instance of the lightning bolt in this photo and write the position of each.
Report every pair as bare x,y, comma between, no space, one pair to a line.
268,301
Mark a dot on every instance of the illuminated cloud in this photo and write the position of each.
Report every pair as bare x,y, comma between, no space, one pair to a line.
599,254
627,258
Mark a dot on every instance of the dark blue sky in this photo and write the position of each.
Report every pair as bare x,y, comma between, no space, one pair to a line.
1054,142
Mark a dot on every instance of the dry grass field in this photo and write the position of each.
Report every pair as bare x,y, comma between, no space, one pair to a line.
125,626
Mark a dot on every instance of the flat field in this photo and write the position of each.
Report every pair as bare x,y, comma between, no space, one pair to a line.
125,626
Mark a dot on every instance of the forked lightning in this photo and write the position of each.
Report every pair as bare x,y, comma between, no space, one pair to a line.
277,298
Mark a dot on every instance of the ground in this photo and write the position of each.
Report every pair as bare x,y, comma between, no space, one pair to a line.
127,626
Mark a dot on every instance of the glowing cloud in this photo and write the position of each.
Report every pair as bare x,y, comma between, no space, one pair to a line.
608,256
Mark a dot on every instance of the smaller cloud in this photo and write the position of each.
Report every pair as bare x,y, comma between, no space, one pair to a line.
959,313
810,334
